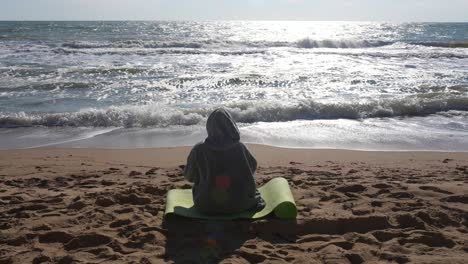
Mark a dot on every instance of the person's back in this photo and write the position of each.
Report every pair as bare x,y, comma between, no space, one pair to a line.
222,169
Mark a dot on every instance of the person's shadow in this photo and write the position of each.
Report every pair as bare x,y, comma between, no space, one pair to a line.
210,241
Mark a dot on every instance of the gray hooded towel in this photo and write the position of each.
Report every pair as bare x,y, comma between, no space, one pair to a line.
222,169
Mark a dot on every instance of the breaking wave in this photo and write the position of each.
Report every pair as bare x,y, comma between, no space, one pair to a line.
158,116
340,44
443,44
227,47
305,43
131,44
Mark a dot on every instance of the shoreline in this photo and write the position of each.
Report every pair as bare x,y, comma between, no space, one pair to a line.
429,133
265,154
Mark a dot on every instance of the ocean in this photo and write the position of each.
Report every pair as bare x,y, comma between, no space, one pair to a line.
346,85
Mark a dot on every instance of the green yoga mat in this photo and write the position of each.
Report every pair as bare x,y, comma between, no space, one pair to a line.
276,193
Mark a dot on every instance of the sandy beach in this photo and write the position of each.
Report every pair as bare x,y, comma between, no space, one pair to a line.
106,206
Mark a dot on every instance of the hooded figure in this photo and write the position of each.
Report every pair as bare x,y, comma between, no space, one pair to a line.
222,169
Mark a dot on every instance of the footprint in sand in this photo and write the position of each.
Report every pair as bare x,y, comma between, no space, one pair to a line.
329,197
386,235
42,227
251,255
394,257
355,188
139,240
27,207
124,210
87,240
65,260
104,201
335,255
17,241
434,189
132,199
360,212
382,186
431,239
456,199
155,190
120,222
401,195
134,173
41,259
107,183
78,205
437,218
55,237
152,171
409,221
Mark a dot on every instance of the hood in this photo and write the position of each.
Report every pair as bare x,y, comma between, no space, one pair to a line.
222,129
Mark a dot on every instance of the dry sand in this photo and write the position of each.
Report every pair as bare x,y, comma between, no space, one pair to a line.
106,206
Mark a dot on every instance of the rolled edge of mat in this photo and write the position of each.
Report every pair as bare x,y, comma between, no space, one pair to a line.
286,210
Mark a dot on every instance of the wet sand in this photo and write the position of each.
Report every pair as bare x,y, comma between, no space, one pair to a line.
106,206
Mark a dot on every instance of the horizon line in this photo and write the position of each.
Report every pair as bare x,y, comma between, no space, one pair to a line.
218,20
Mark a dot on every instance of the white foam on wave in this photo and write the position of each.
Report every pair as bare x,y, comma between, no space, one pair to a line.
306,43
244,112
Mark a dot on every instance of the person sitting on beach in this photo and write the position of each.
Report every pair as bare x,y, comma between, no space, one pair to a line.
222,169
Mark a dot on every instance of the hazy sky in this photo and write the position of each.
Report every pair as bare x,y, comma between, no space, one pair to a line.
389,10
